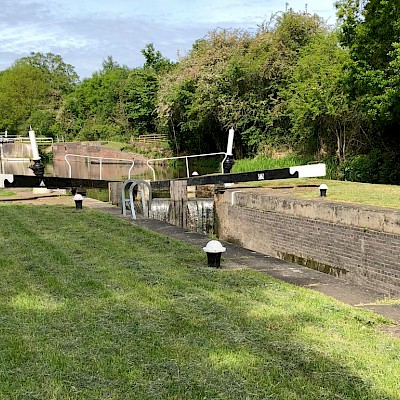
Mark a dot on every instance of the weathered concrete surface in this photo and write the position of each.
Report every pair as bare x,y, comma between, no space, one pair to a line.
367,217
17,150
362,243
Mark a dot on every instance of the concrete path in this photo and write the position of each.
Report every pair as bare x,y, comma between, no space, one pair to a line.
238,257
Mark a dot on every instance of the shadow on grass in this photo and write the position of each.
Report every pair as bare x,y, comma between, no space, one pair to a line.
118,312
190,346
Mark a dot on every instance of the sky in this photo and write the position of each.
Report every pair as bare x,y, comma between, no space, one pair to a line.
86,32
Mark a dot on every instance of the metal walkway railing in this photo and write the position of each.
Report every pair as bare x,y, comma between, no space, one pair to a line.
42,141
187,161
101,159
130,201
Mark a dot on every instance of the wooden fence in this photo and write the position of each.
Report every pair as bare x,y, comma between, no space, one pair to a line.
151,138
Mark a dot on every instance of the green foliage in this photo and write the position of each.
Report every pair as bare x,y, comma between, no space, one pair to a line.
232,78
116,102
93,131
262,163
60,76
370,29
138,96
22,92
97,96
109,64
98,194
324,120
31,92
372,33
44,122
375,167
155,60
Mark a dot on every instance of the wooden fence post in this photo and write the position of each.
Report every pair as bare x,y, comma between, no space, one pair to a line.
114,190
178,210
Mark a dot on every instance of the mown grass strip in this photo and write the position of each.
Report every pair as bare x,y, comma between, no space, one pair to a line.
353,192
343,191
94,308
6,193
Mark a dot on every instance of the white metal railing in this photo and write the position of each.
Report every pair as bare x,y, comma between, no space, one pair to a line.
7,138
187,161
100,162
45,141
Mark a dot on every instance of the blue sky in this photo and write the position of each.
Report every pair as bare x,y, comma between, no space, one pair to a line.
85,32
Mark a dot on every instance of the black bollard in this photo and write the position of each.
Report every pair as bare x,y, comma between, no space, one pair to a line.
214,249
322,190
214,260
78,198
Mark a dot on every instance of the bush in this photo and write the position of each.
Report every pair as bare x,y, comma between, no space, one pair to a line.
332,167
375,167
262,163
95,132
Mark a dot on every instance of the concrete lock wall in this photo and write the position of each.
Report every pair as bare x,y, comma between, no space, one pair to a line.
93,149
358,243
17,150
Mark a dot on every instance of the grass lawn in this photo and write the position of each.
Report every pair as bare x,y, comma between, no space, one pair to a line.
5,193
351,192
94,308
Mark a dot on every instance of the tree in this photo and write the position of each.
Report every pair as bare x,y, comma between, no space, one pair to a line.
324,121
371,32
60,76
155,60
22,92
189,97
369,29
109,64
139,92
31,92
232,78
115,102
138,99
94,102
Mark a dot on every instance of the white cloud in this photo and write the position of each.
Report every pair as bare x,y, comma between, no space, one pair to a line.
84,32
31,37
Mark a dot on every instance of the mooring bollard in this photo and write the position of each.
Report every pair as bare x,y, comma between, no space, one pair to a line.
78,198
322,190
214,249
